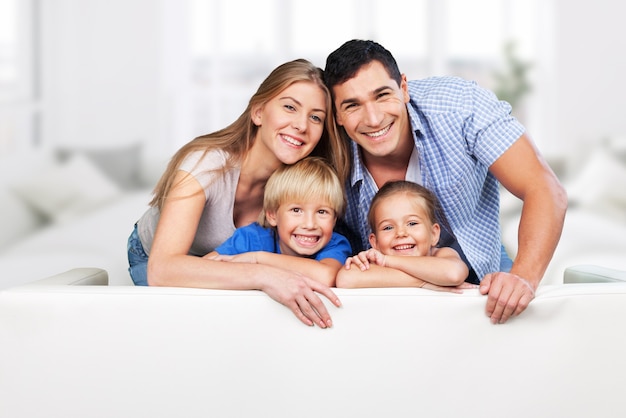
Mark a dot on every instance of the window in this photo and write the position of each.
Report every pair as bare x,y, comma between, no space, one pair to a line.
18,116
239,42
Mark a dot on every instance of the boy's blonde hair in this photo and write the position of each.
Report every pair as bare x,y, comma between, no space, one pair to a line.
310,179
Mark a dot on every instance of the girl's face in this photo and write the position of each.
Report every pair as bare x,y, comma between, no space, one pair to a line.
304,228
291,124
402,226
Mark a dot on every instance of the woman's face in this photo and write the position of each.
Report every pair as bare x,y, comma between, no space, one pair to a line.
291,124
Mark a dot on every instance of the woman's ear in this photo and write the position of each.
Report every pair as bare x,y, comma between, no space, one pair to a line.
256,114
373,241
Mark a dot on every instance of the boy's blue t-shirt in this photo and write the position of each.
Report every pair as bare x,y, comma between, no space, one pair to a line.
254,237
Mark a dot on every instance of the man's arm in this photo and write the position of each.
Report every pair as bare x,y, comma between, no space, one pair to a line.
524,172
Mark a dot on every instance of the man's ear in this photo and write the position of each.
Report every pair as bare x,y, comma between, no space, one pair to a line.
271,218
373,241
404,86
436,232
338,119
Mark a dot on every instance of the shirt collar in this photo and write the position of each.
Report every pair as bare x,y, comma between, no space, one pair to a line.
416,124
358,170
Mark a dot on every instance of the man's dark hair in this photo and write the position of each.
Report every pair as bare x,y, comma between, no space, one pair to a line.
343,63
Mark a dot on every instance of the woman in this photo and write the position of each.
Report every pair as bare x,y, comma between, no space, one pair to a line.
214,184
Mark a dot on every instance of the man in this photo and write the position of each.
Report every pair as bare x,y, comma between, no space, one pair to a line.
458,140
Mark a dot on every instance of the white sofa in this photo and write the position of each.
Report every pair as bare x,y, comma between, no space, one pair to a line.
72,347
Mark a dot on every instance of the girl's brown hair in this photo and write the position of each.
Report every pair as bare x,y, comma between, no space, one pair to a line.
431,204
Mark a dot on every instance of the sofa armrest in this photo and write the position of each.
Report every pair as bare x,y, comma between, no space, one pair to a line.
84,276
593,274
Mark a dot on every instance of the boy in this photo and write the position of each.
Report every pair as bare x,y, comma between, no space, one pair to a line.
295,231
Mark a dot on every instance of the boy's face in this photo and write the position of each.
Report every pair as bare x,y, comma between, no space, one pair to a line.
403,227
371,107
303,228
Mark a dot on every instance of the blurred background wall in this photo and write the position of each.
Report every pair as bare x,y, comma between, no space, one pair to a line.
81,72
142,77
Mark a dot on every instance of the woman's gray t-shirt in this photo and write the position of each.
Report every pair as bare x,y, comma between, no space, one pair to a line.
216,224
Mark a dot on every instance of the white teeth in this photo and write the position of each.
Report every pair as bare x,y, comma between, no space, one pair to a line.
403,247
292,140
379,133
306,238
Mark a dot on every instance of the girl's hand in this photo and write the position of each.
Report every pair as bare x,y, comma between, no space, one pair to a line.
363,259
452,289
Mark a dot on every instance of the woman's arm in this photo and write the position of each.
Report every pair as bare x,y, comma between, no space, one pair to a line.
170,265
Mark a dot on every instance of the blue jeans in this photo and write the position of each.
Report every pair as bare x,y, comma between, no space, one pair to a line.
137,259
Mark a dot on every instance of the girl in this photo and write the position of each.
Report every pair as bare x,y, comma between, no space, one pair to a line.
404,242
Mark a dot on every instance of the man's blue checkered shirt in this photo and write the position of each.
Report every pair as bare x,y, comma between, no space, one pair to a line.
459,130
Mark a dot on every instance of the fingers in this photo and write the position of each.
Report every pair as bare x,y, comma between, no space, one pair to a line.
308,306
326,291
360,260
310,310
509,295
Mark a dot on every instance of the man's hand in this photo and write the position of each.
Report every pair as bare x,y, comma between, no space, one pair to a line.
508,295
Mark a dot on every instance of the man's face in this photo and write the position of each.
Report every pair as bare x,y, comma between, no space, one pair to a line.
371,107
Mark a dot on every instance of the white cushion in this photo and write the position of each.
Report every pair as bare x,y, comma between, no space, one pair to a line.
61,191
599,186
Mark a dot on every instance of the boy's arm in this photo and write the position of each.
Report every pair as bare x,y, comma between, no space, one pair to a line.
323,271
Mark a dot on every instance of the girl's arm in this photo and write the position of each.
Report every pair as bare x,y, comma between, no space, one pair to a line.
379,276
170,265
443,268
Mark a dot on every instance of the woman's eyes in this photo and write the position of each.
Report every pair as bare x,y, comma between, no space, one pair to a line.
314,118
317,119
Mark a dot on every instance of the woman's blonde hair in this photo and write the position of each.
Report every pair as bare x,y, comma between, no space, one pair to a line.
237,138
310,179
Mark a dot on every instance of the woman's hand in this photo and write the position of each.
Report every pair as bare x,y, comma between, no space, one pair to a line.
298,293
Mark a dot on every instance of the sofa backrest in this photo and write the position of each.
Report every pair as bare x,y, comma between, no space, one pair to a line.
98,351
